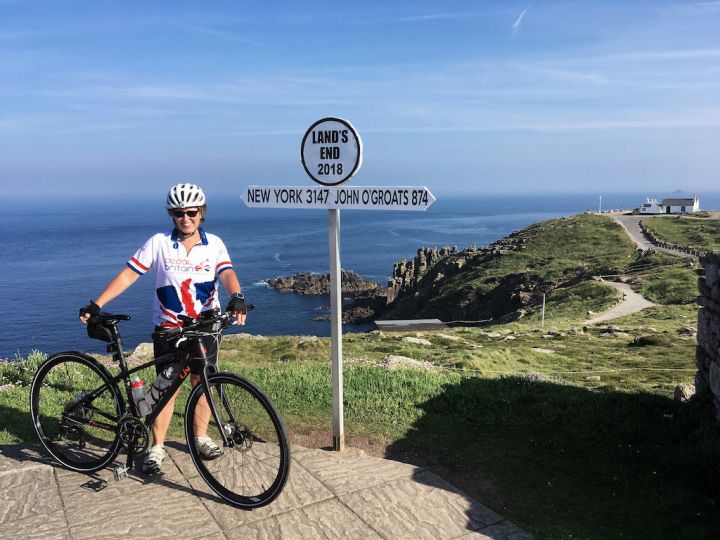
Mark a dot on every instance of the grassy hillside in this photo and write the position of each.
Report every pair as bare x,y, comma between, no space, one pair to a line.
549,257
702,234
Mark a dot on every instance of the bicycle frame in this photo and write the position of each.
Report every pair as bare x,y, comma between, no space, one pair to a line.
207,369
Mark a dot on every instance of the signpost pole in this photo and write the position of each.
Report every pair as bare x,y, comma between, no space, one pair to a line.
336,328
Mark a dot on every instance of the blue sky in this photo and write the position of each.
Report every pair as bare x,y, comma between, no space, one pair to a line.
501,97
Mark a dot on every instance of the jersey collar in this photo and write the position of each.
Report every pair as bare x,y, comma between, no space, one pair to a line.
175,236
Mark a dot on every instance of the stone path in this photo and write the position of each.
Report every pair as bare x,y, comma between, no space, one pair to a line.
632,302
329,495
631,225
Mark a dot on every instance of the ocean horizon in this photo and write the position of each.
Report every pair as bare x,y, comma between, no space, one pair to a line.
64,250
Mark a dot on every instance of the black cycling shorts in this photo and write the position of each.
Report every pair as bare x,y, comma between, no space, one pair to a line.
162,347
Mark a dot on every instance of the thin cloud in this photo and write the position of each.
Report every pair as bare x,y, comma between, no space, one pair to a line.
518,22
224,35
558,127
439,16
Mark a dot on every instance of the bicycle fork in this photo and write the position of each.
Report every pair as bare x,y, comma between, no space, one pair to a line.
228,443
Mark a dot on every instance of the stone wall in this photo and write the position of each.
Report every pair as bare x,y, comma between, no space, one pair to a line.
707,378
689,250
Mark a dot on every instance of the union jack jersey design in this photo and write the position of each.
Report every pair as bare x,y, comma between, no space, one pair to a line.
185,283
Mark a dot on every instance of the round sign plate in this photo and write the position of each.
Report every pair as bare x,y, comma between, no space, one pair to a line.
331,151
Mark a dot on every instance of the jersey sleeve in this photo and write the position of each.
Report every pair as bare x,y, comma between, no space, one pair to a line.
143,258
223,258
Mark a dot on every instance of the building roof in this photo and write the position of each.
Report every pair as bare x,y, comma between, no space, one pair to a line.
678,202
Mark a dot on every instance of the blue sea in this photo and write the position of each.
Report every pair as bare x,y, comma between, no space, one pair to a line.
59,254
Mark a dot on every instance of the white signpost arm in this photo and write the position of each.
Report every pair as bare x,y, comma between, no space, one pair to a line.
336,329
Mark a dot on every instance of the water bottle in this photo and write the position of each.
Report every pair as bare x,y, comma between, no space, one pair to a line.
139,394
162,383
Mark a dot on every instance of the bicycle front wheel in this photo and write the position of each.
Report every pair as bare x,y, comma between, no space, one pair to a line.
253,470
75,408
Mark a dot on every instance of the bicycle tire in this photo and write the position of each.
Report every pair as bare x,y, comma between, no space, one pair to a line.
68,426
253,472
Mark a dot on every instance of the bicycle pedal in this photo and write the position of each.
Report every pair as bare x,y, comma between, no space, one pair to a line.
120,472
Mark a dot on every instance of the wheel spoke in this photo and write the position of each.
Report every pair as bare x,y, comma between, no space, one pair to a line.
79,431
257,469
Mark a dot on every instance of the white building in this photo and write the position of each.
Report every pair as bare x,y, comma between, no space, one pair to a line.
671,206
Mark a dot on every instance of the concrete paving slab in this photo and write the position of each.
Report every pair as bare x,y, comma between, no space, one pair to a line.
156,513
80,490
51,526
329,519
301,490
14,456
328,495
421,507
499,531
345,473
28,492
179,454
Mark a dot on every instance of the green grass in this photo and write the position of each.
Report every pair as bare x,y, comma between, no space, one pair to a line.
566,442
671,285
703,234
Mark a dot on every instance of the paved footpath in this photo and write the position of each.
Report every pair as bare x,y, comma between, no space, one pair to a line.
632,302
328,495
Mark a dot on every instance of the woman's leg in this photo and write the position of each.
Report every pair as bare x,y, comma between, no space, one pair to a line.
202,411
162,421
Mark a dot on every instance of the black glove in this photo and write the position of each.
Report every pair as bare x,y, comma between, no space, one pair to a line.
91,309
236,303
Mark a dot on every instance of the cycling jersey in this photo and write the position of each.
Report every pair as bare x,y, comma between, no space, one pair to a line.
185,283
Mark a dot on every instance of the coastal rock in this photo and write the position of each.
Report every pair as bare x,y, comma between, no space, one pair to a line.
308,283
394,362
364,305
143,351
684,392
416,341
449,337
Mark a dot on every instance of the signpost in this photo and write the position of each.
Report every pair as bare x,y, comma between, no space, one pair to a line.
331,153
349,198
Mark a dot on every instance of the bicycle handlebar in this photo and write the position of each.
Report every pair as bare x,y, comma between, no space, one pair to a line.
225,319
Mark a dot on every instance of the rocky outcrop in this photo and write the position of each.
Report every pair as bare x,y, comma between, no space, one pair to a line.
707,356
362,299
415,283
307,283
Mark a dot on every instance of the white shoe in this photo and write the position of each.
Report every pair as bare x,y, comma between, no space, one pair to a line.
153,459
207,447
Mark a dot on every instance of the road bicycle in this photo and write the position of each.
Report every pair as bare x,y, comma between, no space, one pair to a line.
83,420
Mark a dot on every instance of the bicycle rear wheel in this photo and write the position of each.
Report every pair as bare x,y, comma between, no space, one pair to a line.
253,471
75,408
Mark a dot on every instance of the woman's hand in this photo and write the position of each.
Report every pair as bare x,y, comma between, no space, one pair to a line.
91,310
237,307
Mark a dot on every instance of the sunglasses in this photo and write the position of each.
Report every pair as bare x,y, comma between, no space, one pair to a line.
188,213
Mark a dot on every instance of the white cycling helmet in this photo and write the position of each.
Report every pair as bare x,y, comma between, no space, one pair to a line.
185,196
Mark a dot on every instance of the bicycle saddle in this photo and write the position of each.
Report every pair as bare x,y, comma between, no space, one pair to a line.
104,317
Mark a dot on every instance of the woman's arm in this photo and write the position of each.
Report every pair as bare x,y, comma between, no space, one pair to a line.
231,284
115,288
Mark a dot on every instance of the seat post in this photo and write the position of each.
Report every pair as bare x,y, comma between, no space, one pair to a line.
116,347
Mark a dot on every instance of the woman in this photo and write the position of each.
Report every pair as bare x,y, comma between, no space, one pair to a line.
187,262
